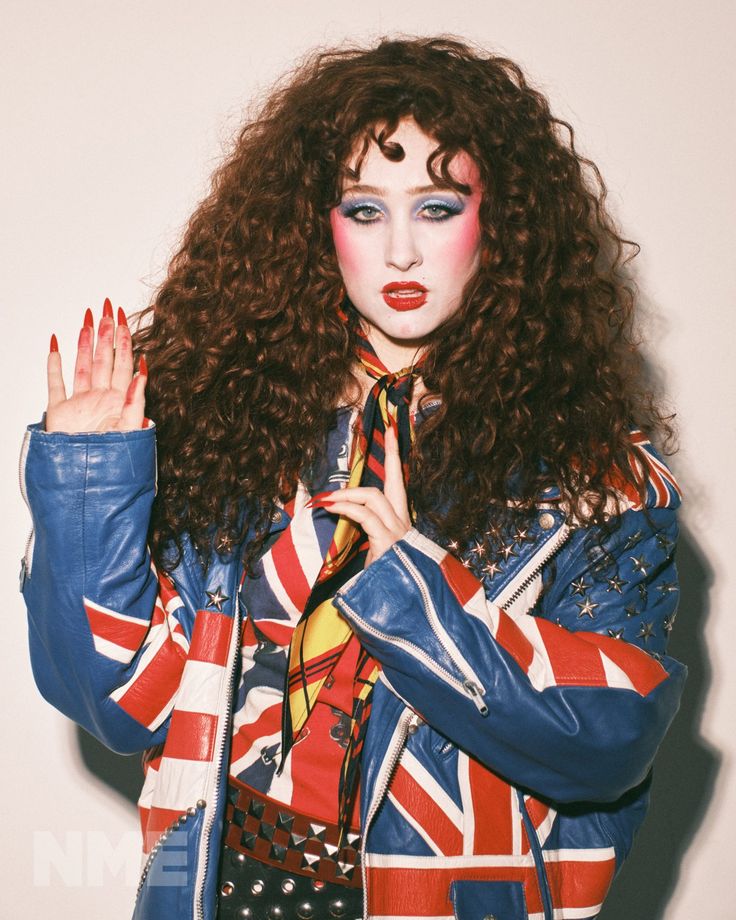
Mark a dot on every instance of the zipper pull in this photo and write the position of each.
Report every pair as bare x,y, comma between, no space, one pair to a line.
22,577
476,696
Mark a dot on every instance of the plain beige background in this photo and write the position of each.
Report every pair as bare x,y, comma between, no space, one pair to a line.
114,114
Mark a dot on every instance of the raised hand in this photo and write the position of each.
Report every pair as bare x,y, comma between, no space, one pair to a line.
384,516
106,395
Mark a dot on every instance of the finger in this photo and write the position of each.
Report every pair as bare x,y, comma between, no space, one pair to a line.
55,379
371,522
122,371
134,404
368,497
394,488
102,362
380,537
83,363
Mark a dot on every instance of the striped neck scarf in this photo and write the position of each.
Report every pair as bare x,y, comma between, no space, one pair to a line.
322,634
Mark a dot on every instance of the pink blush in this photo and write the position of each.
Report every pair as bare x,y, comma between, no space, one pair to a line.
347,253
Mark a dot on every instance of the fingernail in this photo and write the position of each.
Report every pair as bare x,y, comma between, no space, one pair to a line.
142,366
107,308
88,320
54,346
122,319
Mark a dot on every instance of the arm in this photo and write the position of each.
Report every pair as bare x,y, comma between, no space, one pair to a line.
566,711
106,632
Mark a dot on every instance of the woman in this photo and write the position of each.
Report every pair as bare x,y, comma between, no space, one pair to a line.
398,644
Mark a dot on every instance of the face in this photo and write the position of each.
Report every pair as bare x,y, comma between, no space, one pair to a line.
405,247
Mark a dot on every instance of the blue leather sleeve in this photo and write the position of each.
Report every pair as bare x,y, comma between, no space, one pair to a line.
90,498
568,733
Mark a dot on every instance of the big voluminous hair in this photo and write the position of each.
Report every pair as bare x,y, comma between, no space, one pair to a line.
538,373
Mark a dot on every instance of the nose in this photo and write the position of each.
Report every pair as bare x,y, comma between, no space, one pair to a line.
402,249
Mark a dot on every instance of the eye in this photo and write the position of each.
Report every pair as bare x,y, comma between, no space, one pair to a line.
438,211
362,213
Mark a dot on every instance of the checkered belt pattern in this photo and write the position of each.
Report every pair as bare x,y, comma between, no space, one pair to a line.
269,832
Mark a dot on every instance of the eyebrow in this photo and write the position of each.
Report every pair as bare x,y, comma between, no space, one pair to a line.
417,190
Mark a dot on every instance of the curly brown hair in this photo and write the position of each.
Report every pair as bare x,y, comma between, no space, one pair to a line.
539,376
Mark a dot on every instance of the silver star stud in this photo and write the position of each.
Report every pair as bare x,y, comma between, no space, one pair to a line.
216,598
579,587
491,569
453,546
646,631
466,562
478,548
640,564
586,608
633,540
508,551
663,541
521,535
494,532
668,623
668,587
224,544
631,611
615,584
616,633
643,593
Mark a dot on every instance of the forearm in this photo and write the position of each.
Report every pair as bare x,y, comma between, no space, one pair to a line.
570,715
96,620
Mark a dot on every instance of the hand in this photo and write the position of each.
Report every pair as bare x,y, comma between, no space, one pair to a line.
384,516
106,395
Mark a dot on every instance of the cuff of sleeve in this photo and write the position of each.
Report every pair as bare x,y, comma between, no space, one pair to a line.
386,574
97,458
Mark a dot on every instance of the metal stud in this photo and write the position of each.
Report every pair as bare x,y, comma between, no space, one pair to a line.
305,911
288,885
276,515
337,908
257,887
201,803
275,912
546,521
226,889
245,913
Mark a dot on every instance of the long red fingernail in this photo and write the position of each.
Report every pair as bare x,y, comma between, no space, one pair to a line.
142,366
54,346
122,319
88,320
107,308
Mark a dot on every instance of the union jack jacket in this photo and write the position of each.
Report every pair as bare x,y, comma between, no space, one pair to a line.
522,695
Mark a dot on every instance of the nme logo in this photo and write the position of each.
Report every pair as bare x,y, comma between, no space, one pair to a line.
94,858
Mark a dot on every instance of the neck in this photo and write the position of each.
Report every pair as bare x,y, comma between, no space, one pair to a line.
395,354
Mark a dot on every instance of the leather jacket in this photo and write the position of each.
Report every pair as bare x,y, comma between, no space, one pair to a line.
520,704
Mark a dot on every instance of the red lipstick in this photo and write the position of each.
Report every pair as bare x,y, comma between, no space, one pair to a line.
404,295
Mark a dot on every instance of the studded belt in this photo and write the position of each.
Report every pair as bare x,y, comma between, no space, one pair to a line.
259,827
252,890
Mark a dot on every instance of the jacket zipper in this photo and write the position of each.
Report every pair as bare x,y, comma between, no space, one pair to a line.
25,562
212,792
468,687
472,683
391,759
521,581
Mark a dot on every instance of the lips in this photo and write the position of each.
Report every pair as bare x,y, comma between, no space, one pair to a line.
404,295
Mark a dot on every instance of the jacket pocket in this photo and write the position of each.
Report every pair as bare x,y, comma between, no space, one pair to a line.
473,900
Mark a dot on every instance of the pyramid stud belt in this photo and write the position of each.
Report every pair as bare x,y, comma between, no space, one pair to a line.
265,830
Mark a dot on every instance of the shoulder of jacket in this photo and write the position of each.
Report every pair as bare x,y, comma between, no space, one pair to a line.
647,469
